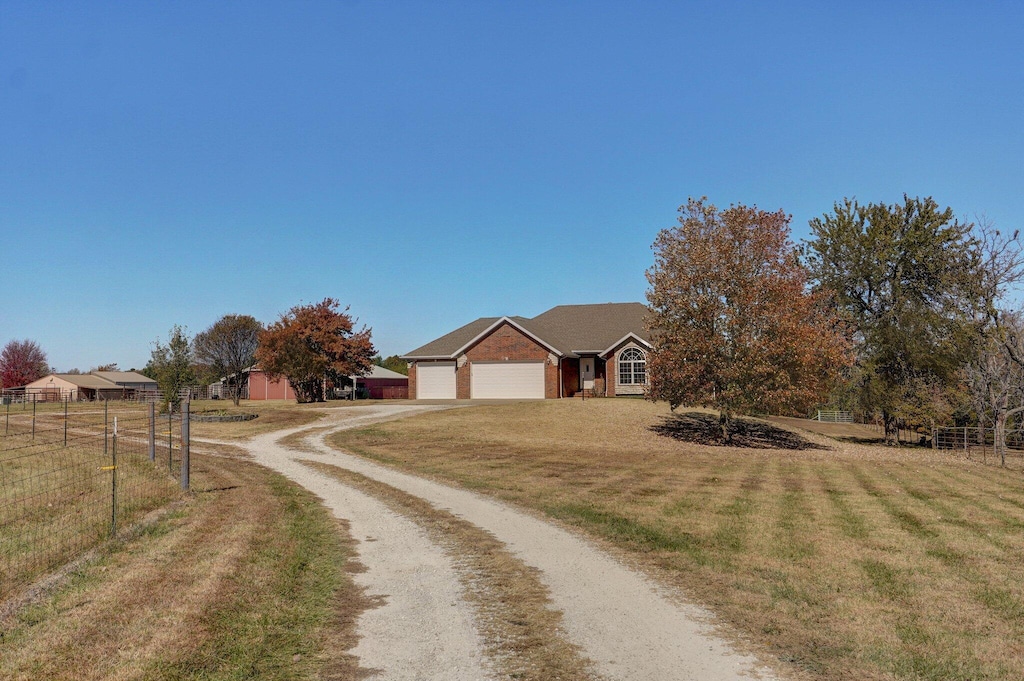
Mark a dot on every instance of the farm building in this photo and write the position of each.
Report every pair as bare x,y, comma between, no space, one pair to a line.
383,384
108,385
259,386
568,350
380,383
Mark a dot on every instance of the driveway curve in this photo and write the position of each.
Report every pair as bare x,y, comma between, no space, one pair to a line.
624,623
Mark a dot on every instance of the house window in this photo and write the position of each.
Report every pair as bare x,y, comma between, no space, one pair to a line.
632,367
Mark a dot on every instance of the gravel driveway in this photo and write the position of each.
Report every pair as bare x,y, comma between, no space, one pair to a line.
624,623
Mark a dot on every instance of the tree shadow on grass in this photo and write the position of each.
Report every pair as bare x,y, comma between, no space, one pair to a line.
703,429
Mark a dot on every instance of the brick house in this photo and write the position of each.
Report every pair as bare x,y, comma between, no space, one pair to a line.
594,349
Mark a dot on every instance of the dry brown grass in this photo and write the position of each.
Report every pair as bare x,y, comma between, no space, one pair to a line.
522,635
56,486
271,415
203,594
857,562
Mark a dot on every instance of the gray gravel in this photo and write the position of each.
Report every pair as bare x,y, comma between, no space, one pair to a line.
424,630
630,628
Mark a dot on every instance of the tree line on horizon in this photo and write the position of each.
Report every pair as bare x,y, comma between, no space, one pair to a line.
310,345
898,312
316,347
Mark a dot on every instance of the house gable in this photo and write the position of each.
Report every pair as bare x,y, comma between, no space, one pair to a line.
556,338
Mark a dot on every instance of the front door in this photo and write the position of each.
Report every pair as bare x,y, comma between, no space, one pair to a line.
587,373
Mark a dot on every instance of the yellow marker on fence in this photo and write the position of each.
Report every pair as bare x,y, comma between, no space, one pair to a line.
107,468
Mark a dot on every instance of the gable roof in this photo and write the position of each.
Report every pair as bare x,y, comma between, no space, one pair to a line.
591,329
567,330
81,380
383,372
120,377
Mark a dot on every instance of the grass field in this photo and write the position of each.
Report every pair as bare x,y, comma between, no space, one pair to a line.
57,482
856,562
202,594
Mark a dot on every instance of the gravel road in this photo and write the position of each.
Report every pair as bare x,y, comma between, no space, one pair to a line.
623,622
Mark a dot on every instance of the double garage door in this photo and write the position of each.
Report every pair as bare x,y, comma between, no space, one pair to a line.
487,380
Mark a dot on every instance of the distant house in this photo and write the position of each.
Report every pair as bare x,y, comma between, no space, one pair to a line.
570,349
98,385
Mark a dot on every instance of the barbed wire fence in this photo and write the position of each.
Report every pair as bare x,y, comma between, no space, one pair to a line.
75,474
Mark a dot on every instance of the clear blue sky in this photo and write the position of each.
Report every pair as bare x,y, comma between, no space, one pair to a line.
430,163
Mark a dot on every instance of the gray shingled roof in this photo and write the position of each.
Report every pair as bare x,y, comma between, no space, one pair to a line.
567,328
589,328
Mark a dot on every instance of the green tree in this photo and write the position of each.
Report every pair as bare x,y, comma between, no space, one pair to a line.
908,278
394,363
733,323
313,344
171,366
228,350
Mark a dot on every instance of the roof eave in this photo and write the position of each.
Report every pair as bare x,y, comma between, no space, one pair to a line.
622,340
511,322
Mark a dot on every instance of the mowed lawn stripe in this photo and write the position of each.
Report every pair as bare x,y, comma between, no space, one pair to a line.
858,562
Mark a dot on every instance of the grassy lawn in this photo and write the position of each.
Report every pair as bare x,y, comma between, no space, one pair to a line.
271,415
857,562
201,594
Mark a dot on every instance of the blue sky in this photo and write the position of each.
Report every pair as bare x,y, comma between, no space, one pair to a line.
428,163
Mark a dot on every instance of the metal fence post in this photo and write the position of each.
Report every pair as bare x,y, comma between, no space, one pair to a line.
113,484
185,438
152,431
170,441
65,422
33,417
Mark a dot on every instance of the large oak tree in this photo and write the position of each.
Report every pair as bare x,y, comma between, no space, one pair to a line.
909,278
733,322
312,344
228,349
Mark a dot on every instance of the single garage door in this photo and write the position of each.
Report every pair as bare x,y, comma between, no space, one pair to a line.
435,381
506,380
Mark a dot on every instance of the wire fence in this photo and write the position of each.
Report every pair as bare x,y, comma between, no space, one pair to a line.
73,475
979,443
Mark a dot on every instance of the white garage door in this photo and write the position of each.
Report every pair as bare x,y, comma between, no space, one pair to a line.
507,380
435,381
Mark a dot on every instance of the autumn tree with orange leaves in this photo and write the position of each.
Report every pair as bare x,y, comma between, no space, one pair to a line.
735,327
312,344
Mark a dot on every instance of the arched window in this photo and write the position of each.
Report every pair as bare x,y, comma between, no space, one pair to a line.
632,367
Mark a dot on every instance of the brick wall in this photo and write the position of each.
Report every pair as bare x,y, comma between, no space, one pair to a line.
462,379
507,344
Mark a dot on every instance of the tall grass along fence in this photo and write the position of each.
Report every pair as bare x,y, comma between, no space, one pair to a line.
979,443
73,475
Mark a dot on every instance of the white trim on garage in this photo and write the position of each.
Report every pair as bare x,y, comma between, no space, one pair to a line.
435,380
506,380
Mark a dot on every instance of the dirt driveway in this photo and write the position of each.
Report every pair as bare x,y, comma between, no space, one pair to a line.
623,623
